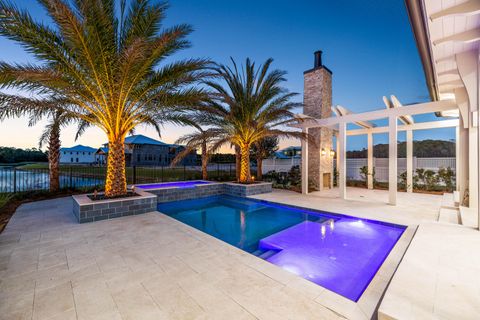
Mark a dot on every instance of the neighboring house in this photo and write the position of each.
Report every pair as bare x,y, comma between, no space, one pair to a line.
289,153
283,160
77,154
144,151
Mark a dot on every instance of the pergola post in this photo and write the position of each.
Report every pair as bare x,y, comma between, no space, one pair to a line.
392,160
458,165
337,148
462,160
305,164
370,160
342,162
409,161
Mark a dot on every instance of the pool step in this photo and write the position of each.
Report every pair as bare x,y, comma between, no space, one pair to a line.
264,254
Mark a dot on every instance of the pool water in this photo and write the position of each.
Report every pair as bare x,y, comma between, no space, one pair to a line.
338,252
181,184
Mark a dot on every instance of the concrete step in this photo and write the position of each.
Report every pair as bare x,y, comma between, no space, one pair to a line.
448,201
468,217
448,216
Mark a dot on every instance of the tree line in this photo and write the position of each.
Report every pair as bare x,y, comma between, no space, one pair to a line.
421,149
15,155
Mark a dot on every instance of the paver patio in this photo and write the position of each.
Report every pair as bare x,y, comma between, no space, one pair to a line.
153,267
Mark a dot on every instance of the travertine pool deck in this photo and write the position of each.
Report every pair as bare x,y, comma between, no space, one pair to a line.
153,267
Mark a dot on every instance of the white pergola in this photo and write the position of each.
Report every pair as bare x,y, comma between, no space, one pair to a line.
395,113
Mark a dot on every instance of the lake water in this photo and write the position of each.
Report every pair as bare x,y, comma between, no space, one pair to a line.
27,180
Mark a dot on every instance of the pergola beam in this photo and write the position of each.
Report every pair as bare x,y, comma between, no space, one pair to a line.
416,126
396,104
420,108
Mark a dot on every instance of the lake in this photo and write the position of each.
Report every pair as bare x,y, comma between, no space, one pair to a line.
28,180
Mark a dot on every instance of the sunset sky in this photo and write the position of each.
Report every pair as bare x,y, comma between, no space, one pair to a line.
368,45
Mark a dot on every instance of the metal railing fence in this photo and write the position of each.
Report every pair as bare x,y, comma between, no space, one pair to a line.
14,179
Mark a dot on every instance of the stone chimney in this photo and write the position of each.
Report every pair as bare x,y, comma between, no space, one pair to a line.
317,100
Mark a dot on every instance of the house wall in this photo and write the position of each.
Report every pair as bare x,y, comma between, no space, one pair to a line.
71,156
153,155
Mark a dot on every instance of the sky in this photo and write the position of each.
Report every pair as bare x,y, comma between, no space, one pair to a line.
368,45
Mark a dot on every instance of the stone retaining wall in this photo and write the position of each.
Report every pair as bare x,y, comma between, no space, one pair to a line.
245,190
176,194
86,210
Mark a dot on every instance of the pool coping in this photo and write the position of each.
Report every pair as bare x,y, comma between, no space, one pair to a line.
369,301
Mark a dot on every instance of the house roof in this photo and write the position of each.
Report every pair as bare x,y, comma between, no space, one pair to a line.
79,148
102,150
141,139
280,154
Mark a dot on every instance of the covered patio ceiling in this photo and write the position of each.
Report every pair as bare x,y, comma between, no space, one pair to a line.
448,37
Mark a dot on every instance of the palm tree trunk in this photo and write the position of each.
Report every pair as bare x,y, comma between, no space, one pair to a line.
245,163
259,168
237,163
204,161
54,158
116,182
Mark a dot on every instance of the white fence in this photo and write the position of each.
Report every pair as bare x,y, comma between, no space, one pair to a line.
380,165
280,165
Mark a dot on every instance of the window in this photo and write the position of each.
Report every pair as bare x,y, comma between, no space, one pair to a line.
64,152
71,159
138,157
77,159
83,153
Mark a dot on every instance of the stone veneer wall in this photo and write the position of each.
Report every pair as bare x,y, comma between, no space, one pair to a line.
86,210
242,190
176,194
317,100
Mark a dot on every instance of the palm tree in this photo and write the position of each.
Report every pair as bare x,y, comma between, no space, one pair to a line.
200,139
263,149
107,67
248,106
36,109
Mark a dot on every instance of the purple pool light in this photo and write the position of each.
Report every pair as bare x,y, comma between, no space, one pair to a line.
342,255
178,184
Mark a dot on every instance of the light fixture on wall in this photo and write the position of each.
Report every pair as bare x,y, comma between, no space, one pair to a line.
332,153
323,152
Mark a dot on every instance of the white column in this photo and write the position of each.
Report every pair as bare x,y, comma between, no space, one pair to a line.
370,160
409,161
342,162
337,143
458,165
462,167
305,164
392,160
473,167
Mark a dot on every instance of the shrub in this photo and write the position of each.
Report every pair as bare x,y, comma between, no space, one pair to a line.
447,176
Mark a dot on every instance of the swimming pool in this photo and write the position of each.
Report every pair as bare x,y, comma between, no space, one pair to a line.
176,184
338,252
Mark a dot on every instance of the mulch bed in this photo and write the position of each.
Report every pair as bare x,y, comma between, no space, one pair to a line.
102,196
